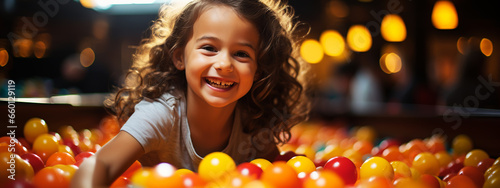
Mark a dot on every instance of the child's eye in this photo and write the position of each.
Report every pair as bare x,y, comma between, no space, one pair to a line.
209,48
242,54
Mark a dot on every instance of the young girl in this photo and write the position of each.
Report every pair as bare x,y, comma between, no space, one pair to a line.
216,75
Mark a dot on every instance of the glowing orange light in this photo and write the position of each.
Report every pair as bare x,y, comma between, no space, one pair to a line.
461,44
24,47
486,46
333,43
390,63
444,15
311,51
359,38
87,3
393,28
338,9
39,49
4,57
87,57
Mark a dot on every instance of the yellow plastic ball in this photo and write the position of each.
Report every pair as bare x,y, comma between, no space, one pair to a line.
215,164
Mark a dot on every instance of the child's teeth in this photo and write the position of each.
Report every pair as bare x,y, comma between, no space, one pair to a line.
219,83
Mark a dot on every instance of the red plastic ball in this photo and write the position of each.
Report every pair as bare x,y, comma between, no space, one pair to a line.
343,167
249,169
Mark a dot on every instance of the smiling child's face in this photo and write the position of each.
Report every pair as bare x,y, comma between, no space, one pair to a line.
220,57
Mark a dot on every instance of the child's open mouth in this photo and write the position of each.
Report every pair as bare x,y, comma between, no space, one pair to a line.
216,83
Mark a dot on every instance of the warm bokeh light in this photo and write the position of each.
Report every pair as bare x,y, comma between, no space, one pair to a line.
390,63
486,46
393,28
359,38
333,43
4,57
87,57
461,44
100,29
24,47
338,9
311,51
444,15
87,3
39,49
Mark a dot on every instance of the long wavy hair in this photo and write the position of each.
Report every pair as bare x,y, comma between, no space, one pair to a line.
277,99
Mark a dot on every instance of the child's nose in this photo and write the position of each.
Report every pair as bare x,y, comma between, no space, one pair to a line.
224,64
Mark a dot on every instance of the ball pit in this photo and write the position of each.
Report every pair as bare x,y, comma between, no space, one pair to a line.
316,156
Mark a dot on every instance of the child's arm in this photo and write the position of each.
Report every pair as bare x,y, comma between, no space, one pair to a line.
109,162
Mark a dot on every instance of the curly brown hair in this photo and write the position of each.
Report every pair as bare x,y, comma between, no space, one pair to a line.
280,85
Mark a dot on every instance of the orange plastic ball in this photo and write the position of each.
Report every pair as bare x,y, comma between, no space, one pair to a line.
474,174
461,181
163,176
281,175
50,177
323,179
60,158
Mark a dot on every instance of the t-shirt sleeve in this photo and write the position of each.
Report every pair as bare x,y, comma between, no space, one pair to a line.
150,124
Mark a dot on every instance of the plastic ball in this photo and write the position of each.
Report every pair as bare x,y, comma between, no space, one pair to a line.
34,160
281,175
262,163
45,145
33,128
484,164
492,182
406,182
474,157
50,177
492,171
430,181
301,164
343,167
376,166
249,169
393,154
401,169
460,181
15,167
461,144
257,184
366,133
426,163
214,165
141,177
306,150
192,180
374,182
474,174
60,158
323,179
163,176
443,158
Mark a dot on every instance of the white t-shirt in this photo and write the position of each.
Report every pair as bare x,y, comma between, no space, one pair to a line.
162,129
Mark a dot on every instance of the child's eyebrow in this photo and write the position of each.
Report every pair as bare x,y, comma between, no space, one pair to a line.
207,37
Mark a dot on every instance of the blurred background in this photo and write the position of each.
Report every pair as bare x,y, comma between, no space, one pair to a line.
368,57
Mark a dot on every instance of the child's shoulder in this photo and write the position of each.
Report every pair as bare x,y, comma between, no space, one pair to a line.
168,99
